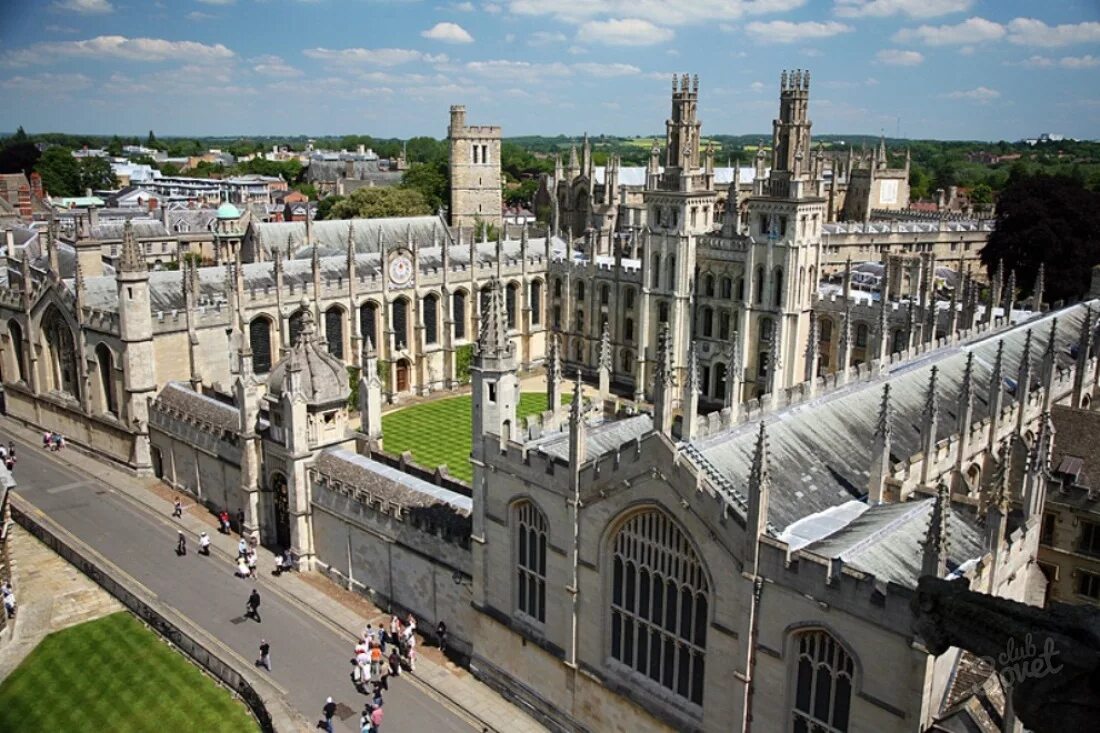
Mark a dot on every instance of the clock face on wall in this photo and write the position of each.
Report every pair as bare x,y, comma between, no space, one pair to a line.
401,269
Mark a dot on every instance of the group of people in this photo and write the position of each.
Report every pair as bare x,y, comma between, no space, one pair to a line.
7,455
53,441
379,655
246,558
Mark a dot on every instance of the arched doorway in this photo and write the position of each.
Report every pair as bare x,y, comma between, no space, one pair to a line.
281,493
403,375
61,354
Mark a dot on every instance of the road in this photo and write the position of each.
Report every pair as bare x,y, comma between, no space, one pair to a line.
310,659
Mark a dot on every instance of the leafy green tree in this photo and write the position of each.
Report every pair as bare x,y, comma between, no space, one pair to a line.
324,206
18,156
169,169
1048,219
981,195
426,150
151,141
96,173
431,181
20,135
521,195
371,203
60,171
115,146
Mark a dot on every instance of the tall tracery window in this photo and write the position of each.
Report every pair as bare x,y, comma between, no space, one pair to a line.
400,311
530,534
259,340
107,378
334,331
15,334
510,294
62,353
823,684
536,302
368,322
431,318
659,604
458,313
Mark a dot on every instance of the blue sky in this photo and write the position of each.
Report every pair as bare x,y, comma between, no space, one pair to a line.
985,69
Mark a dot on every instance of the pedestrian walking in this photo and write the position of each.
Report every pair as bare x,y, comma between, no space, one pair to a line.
252,563
441,637
376,719
181,544
265,655
242,547
223,521
47,439
177,509
204,543
9,603
395,663
328,711
254,606
242,567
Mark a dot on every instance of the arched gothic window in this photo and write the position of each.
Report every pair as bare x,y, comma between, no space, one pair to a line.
557,287
510,295
458,313
778,284
334,331
655,273
368,322
708,286
15,334
823,684
672,272
580,292
400,313
62,353
659,604
107,378
758,286
627,362
719,381
708,322
628,298
726,288
431,318
861,335
259,340
536,302
530,534
605,295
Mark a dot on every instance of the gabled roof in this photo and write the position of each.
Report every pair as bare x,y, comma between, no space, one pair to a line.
331,237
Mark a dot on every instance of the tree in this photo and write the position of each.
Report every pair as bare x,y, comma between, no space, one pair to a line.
18,157
151,141
324,206
372,203
96,173
431,181
981,195
20,136
60,172
1048,219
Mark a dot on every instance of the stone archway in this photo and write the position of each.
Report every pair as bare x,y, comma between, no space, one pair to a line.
402,376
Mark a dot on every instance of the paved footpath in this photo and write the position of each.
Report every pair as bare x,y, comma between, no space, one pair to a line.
310,623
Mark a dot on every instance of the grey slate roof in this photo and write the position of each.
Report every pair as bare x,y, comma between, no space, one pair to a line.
599,439
389,483
331,236
820,450
181,398
323,378
143,228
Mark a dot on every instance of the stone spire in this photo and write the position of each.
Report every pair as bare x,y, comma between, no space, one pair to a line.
1049,364
996,393
78,290
880,451
937,540
732,397
1084,346
1038,469
953,310
690,398
756,519
844,347
882,320
132,258
52,245
605,363
995,288
775,372
1023,381
553,375
929,420
966,396
370,396
493,341
847,279
577,427
813,354
664,382
1037,291
1010,296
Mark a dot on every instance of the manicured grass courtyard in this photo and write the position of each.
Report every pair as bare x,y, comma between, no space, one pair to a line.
115,675
438,432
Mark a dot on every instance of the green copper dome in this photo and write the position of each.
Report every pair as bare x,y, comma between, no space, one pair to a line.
228,211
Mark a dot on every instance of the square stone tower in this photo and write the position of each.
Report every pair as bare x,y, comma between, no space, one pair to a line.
475,172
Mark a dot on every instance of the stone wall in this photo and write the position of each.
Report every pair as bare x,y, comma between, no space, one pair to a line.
398,564
193,460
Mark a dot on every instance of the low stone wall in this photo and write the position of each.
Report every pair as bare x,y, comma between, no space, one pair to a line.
7,483
272,712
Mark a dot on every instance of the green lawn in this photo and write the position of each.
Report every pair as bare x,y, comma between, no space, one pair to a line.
115,675
438,433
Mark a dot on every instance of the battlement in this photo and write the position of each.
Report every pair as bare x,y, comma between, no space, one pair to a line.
688,86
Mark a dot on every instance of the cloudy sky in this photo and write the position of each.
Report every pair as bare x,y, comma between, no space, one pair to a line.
986,69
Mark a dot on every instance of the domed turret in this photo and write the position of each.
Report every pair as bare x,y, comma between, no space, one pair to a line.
318,375
228,211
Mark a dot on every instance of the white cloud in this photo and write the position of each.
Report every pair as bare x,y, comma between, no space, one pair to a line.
373,56
606,71
757,86
269,65
516,70
448,33
1032,32
47,83
466,7
970,31
118,47
912,8
85,7
198,16
661,12
624,32
218,2
545,38
784,31
898,57
1088,61
982,95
